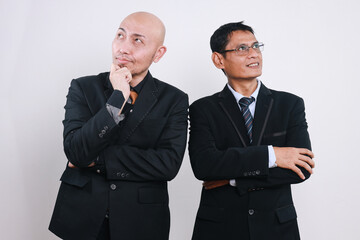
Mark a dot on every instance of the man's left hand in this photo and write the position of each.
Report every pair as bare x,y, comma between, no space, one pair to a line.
70,165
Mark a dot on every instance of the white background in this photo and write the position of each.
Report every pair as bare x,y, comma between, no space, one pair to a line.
311,49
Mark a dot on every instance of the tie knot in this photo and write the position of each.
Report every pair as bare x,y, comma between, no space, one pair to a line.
245,102
133,96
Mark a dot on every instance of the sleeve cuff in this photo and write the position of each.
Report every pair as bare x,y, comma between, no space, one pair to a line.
116,99
272,157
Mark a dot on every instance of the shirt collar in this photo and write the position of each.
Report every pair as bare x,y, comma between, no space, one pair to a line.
238,96
138,87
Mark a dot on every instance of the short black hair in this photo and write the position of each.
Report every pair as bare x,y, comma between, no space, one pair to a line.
221,36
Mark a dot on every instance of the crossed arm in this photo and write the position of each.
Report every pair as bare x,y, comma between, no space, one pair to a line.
294,160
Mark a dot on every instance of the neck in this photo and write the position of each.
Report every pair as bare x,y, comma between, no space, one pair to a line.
244,87
136,79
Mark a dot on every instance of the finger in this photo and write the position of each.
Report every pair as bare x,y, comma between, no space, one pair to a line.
305,151
113,68
311,162
128,75
298,172
304,165
70,165
308,160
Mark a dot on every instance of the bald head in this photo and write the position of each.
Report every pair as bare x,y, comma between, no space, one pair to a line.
148,24
139,43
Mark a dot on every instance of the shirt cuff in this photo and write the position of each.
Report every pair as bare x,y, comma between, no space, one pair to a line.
272,157
114,113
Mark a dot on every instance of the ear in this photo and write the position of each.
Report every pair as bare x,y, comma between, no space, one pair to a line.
159,53
217,59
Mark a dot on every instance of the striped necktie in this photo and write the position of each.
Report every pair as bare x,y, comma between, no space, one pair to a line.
244,105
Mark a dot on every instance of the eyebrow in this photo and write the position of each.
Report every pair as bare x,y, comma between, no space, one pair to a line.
134,34
241,44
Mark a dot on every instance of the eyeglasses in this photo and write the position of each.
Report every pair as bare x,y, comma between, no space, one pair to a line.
244,49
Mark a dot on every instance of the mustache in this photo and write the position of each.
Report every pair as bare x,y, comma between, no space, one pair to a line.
123,57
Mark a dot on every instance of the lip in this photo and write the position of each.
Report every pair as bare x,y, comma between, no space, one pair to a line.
253,65
122,60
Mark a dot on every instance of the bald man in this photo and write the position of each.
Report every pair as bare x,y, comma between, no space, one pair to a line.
124,137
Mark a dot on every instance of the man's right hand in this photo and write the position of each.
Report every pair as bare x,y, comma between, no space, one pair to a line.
291,158
120,79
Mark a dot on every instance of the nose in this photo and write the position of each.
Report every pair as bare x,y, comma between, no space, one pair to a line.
122,47
123,50
253,53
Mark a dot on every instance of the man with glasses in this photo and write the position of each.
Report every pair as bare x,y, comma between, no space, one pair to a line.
248,144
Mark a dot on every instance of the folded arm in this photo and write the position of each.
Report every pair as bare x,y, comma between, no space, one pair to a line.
86,134
211,163
159,162
294,159
249,165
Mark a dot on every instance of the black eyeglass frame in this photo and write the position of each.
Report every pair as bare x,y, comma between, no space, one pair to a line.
257,46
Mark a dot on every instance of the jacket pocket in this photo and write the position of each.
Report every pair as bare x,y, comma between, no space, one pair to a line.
277,139
152,195
74,177
211,213
286,213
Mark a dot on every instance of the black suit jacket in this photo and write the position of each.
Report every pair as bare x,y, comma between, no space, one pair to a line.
139,159
260,206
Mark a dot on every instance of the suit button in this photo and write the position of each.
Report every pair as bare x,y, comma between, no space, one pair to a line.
131,110
251,212
98,171
113,186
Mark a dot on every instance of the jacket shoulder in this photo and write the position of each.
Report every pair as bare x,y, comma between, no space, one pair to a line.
206,101
167,88
283,94
92,79
285,97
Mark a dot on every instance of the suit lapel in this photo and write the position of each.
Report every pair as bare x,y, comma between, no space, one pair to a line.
231,109
146,100
263,108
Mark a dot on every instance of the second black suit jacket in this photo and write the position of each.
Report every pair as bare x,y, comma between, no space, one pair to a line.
260,206
139,159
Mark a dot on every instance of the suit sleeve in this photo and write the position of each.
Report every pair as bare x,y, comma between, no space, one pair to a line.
210,163
296,136
158,163
86,134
